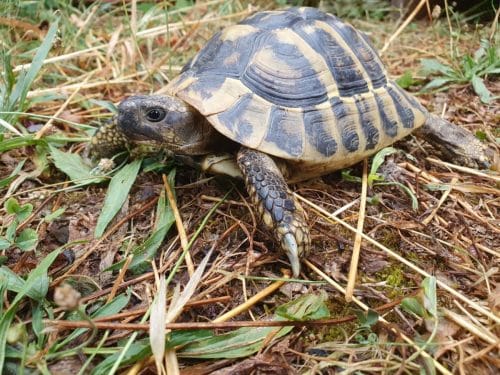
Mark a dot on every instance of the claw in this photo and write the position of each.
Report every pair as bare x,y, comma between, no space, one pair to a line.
291,248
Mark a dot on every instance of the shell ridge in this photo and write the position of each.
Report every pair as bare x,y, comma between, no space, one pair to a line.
364,53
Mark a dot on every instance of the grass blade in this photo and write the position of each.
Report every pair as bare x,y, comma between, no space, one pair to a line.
34,278
117,194
25,79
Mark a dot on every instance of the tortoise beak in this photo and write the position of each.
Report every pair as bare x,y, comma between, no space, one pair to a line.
291,248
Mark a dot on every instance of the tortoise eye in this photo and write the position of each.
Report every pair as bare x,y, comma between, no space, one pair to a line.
156,114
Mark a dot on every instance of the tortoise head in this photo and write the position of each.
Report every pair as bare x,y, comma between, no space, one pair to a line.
165,121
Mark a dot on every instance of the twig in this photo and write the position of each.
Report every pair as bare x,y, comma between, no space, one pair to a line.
119,279
100,324
353,270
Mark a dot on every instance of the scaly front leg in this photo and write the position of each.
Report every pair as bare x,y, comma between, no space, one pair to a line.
278,208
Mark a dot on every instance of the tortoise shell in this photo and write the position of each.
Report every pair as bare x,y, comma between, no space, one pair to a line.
298,84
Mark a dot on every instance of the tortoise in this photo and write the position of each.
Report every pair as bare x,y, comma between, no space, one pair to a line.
283,96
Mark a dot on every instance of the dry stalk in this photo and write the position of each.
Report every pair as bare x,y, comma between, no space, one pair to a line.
48,124
476,330
119,279
460,168
353,270
253,300
180,225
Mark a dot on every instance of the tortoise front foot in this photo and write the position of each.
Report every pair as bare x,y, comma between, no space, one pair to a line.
279,210
107,141
456,144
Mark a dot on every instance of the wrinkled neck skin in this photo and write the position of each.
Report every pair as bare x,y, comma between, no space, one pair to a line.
182,130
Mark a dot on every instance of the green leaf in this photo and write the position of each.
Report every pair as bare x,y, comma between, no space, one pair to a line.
430,295
436,83
413,197
73,166
481,135
240,343
379,158
140,349
116,195
306,307
17,142
24,212
15,283
346,176
432,66
481,90
413,305
406,80
164,221
27,239
10,233
37,279
12,206
38,324
367,319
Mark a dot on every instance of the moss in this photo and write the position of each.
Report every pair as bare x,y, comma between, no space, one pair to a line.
395,279
388,237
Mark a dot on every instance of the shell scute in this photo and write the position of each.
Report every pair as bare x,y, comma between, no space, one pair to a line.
369,120
318,132
282,74
405,113
242,122
366,55
285,132
347,124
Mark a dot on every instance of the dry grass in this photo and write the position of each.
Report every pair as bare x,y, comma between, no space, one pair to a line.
108,52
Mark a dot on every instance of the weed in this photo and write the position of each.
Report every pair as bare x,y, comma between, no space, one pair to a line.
27,238
469,70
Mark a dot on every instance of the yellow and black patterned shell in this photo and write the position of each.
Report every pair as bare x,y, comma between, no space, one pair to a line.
298,84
